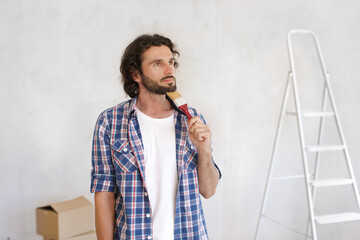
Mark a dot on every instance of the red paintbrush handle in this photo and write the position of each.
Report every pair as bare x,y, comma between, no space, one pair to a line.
184,108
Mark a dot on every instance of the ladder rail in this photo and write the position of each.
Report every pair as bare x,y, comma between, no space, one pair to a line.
320,135
317,159
274,152
301,131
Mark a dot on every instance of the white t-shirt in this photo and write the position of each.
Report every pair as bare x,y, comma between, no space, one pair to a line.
158,136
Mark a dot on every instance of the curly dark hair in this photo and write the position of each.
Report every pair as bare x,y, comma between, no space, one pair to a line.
132,59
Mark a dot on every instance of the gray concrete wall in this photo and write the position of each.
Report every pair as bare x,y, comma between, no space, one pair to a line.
59,69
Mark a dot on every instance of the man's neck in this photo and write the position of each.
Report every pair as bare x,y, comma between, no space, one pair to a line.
154,105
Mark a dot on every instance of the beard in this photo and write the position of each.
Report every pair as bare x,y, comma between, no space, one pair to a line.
154,87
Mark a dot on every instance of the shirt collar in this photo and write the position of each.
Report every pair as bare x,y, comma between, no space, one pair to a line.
133,106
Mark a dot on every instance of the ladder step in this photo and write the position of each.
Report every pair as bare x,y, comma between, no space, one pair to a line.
288,177
337,218
312,113
332,182
319,148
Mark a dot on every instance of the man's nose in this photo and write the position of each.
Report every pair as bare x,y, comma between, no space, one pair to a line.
169,69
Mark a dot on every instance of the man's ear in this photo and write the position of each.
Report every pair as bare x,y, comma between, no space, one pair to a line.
136,76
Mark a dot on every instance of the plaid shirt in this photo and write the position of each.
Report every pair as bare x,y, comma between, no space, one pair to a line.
119,166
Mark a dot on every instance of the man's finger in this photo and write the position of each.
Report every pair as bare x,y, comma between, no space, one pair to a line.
193,121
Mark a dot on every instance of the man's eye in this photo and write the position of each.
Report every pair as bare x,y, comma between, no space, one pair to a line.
157,64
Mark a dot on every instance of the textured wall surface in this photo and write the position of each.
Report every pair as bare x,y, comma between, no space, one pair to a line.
59,69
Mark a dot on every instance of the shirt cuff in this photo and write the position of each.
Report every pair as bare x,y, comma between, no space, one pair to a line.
102,183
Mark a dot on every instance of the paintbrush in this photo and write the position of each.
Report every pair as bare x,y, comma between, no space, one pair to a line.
179,102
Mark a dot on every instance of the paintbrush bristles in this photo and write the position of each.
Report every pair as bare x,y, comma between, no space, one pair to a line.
173,95
177,98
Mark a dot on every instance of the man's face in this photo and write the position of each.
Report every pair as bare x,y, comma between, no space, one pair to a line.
158,70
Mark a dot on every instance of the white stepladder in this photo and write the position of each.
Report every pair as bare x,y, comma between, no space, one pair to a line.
312,181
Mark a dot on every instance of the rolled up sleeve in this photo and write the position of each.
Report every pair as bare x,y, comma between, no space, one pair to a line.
102,174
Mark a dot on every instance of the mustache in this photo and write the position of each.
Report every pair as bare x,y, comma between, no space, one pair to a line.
168,77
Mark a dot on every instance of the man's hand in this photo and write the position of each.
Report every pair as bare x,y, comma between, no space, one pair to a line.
200,134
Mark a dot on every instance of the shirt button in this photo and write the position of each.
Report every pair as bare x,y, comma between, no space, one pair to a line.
145,194
125,149
148,215
149,237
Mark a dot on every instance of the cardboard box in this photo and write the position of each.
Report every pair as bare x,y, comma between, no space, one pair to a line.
63,220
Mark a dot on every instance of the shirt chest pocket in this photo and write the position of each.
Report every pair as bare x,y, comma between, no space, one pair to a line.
190,156
123,157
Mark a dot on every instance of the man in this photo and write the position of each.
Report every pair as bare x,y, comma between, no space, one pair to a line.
151,163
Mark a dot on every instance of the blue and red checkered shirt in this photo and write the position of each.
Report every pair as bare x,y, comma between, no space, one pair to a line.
119,166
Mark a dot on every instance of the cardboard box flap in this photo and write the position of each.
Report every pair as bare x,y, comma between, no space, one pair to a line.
65,206
48,208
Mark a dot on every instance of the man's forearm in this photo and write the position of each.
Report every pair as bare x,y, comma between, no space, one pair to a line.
207,173
104,215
